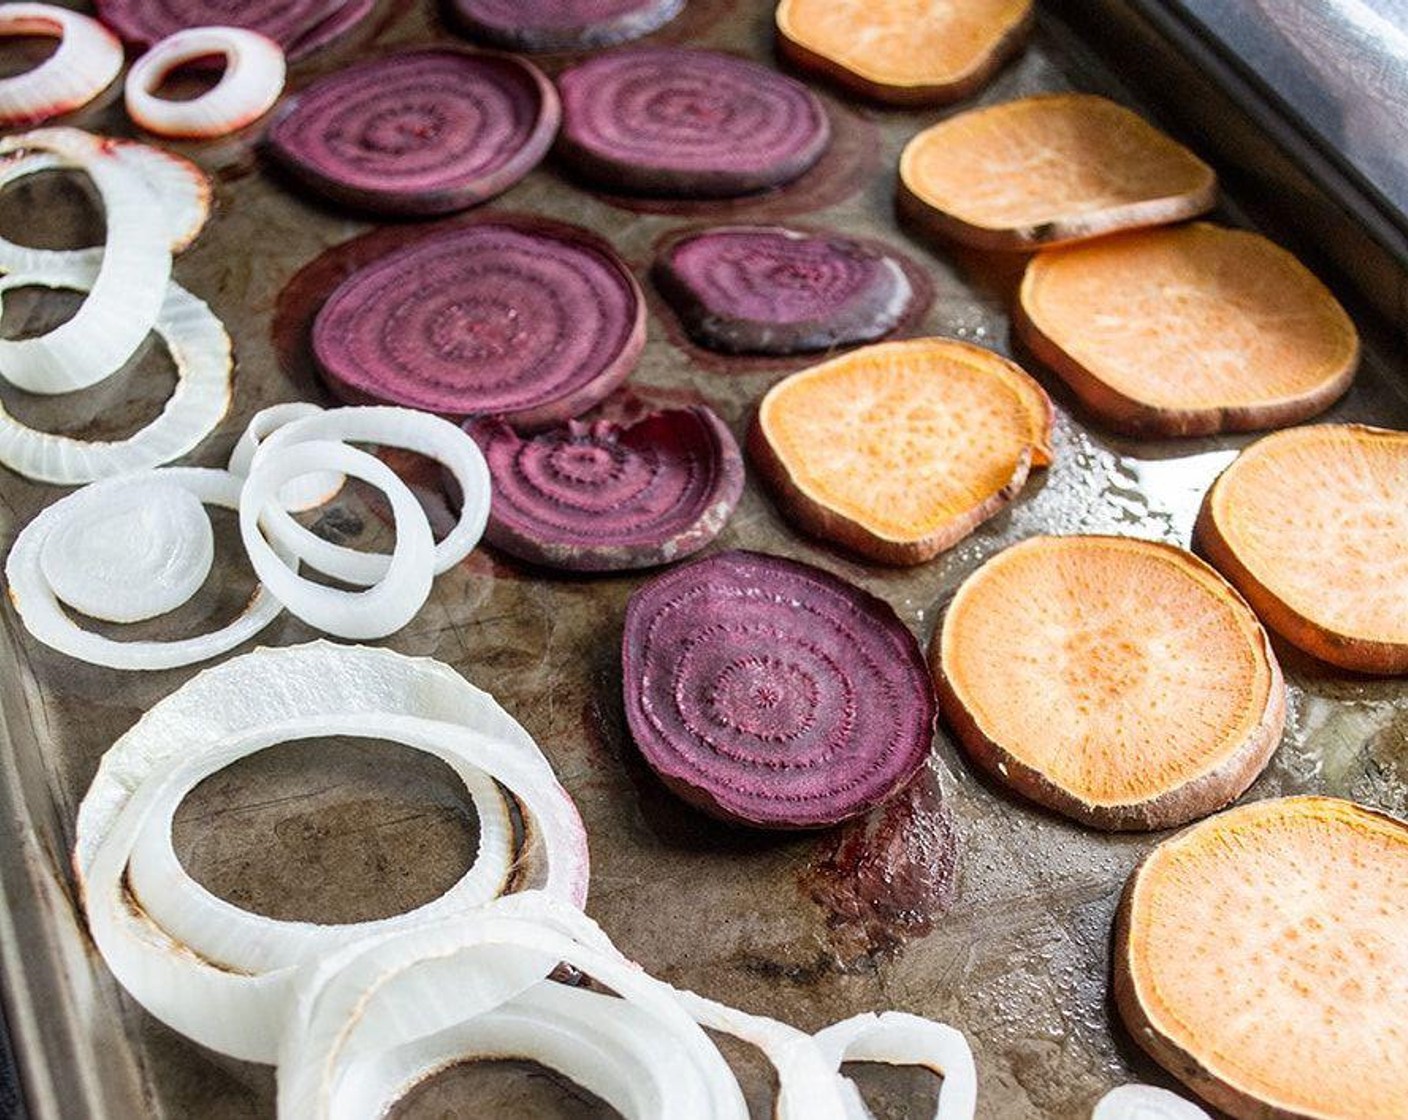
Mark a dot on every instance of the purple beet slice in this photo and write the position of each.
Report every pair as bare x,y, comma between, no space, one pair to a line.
606,498
299,26
418,132
766,691
563,25
531,322
770,290
692,123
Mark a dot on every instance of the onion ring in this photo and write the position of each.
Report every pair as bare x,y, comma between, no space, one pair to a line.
381,609
88,58
44,618
386,426
898,1039
130,286
240,707
1145,1102
302,493
200,350
252,81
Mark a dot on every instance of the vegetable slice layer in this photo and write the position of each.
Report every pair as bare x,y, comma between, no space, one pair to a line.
900,450
1047,169
299,26
1170,700
1260,958
907,52
1188,331
563,25
773,693
1311,525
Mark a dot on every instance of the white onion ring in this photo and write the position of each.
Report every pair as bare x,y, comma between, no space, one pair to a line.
395,995
88,58
182,187
1145,1102
302,493
240,707
899,1039
87,557
34,601
252,81
381,609
130,286
200,350
387,426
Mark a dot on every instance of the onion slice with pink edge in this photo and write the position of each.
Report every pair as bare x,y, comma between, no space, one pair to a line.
130,285
122,531
300,27
601,497
417,132
252,81
772,693
223,976
534,322
1145,1102
88,58
200,350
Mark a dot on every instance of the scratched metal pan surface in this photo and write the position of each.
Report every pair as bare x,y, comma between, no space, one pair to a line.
955,901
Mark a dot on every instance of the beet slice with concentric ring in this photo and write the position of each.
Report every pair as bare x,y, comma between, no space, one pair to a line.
300,27
695,123
602,497
418,132
529,321
772,290
563,25
770,692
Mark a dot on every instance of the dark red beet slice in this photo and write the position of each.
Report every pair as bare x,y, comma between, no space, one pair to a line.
770,290
492,319
669,120
563,25
603,498
770,692
299,26
418,132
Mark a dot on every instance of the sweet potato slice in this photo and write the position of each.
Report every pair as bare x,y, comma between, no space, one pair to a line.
1188,331
903,52
899,450
1311,525
1260,957
1046,170
1121,682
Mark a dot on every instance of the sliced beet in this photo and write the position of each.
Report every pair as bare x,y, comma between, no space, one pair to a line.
603,498
770,692
532,323
563,25
418,132
299,26
770,290
694,123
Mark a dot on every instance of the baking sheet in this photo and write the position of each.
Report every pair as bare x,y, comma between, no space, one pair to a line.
955,901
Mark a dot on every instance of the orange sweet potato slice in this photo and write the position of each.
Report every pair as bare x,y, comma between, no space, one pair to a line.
903,52
1047,170
1121,682
1188,331
1260,957
898,451
1311,525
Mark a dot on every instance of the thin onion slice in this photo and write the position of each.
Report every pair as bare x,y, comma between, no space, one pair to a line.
221,975
387,426
87,559
1145,1102
381,609
183,189
43,615
899,1039
301,494
88,58
129,289
200,350
252,81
